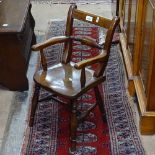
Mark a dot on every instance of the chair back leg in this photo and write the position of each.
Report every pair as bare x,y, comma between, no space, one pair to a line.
34,104
100,102
73,126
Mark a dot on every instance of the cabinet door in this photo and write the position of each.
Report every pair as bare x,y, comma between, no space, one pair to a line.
128,11
147,56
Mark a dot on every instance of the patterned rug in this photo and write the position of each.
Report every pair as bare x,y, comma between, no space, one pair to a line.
118,137
72,1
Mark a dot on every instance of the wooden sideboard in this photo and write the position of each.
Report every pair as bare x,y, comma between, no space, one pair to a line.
16,37
137,40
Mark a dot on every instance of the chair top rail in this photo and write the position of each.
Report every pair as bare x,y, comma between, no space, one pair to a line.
91,18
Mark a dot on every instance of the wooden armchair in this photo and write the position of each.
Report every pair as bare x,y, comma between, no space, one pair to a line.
71,80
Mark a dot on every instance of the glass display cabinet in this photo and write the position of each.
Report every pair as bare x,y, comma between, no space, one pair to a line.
137,40
145,68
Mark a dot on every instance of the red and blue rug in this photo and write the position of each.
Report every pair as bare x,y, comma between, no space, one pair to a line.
50,134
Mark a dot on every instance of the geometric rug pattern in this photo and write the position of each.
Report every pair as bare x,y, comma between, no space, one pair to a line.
123,131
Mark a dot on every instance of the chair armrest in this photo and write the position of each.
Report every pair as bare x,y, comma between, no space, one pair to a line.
99,58
87,41
49,42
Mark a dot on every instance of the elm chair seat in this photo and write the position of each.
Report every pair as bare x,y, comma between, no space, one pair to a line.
64,79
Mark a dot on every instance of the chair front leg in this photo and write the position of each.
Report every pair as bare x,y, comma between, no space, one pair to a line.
100,103
73,127
34,104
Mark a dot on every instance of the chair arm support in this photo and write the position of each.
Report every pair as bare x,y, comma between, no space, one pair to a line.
49,42
99,58
87,41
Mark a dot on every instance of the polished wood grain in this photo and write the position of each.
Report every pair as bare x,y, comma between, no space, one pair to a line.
71,80
64,80
49,42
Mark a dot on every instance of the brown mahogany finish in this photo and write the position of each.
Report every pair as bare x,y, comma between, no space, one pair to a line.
16,37
71,80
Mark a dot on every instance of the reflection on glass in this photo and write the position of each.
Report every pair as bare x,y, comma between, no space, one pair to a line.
130,8
146,45
126,11
131,35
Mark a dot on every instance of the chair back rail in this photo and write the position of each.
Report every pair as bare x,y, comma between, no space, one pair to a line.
91,18
109,24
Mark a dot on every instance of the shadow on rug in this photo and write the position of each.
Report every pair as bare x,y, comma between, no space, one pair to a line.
50,134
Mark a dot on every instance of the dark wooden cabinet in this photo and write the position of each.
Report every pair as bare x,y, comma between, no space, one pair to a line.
16,37
137,40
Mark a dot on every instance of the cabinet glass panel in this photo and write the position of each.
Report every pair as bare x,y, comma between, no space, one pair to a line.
146,45
132,25
126,13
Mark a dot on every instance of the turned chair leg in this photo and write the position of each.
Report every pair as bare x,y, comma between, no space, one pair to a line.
100,103
34,104
73,127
